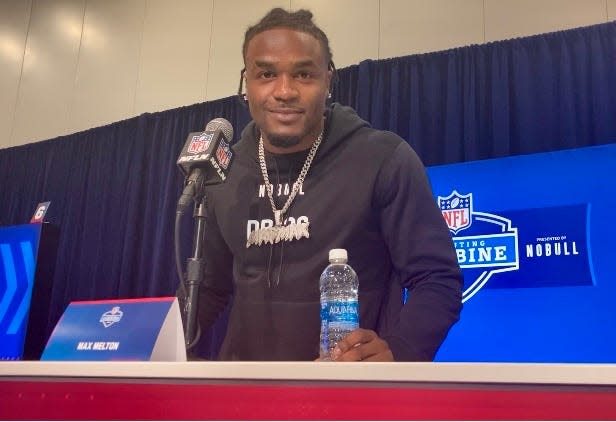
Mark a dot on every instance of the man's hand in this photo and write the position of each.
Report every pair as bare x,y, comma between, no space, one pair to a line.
361,345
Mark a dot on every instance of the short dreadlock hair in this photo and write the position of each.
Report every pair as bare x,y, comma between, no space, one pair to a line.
300,20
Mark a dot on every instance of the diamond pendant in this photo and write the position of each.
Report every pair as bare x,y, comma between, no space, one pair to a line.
278,233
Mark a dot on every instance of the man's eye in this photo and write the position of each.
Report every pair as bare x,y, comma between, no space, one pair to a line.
304,75
267,75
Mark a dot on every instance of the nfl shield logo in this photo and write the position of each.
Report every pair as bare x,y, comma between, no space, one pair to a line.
199,143
457,210
223,154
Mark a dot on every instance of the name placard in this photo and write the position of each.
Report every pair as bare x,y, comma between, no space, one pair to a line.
128,329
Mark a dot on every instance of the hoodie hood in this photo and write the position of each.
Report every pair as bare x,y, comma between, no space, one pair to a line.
340,123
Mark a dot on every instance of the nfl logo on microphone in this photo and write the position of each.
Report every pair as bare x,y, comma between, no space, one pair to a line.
223,154
200,143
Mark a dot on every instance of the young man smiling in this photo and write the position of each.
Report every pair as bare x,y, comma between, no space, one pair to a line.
307,178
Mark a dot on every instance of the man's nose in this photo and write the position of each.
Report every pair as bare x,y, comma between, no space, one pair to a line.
285,87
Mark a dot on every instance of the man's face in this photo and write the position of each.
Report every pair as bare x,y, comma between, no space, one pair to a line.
287,82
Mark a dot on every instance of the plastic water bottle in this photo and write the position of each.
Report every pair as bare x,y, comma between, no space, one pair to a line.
339,306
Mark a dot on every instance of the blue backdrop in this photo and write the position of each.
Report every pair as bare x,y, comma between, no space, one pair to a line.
550,298
18,252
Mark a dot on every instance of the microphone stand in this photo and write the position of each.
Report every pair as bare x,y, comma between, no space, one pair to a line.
194,276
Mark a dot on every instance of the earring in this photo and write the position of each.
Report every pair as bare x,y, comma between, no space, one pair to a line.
245,97
329,95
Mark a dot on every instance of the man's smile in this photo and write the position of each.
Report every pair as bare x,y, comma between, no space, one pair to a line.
285,114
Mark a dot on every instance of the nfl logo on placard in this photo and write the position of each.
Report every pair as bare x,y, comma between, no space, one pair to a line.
111,317
223,154
457,210
200,143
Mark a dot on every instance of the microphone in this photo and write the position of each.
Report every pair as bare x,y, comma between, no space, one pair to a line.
205,158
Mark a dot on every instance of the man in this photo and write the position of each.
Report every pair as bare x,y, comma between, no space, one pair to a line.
308,178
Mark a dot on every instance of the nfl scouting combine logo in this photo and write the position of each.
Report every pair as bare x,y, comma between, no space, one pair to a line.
111,317
486,244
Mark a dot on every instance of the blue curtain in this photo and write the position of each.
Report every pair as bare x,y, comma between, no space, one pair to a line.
113,189
520,96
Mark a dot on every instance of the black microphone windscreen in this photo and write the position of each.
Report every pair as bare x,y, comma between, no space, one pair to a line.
209,151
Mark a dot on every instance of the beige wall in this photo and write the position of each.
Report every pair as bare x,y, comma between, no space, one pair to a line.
69,65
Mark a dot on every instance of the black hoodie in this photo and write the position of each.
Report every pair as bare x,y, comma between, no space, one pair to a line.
366,192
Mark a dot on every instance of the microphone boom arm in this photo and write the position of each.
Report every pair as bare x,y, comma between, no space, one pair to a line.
194,277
